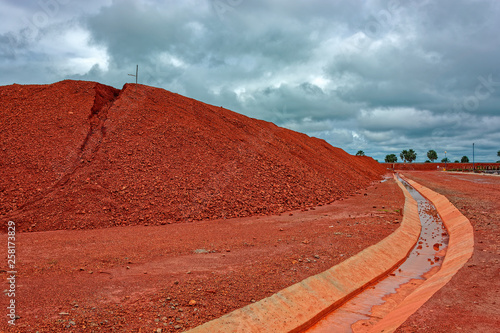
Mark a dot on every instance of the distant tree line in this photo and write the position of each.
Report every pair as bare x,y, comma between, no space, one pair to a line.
406,155
410,155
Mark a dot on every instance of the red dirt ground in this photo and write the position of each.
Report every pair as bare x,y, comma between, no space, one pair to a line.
441,166
470,302
137,277
81,155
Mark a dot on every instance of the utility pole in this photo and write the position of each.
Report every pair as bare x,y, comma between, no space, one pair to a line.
136,73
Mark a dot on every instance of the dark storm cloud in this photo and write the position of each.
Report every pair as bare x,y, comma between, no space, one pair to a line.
380,76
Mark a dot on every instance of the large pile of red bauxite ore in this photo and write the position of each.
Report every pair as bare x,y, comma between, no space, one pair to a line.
78,154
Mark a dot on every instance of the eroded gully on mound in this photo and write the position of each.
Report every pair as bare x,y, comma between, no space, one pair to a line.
361,312
104,99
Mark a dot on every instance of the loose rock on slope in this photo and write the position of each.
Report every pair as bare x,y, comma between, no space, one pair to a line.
78,154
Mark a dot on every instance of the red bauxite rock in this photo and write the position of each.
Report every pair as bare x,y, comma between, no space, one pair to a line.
78,154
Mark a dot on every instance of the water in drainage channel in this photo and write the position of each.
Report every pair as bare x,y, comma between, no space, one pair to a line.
364,310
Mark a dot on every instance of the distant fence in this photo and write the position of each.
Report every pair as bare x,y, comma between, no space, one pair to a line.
441,166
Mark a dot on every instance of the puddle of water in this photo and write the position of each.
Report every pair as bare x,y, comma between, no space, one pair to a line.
428,253
385,179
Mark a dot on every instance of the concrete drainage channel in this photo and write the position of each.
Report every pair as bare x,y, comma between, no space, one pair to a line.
373,273
364,310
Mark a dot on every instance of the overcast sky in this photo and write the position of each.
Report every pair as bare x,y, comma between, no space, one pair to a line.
377,76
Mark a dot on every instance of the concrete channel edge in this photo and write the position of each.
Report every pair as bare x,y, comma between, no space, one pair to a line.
460,249
301,305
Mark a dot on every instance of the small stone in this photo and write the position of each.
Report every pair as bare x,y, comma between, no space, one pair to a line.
192,302
177,327
63,314
316,256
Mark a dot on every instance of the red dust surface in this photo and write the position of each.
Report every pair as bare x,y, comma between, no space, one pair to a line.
479,167
470,302
96,179
81,155
174,277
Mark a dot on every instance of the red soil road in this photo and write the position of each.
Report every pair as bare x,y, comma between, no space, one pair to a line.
470,302
81,155
249,259
441,166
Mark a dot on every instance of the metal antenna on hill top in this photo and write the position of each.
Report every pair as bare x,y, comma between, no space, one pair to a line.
136,73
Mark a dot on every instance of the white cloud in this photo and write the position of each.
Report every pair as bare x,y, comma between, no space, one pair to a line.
70,51
399,118
166,58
